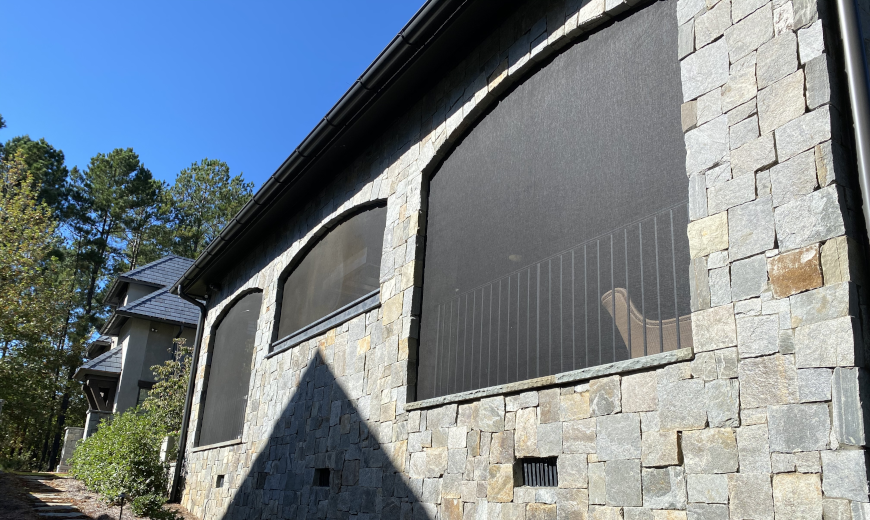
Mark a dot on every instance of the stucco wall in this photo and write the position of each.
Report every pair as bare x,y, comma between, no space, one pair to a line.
763,420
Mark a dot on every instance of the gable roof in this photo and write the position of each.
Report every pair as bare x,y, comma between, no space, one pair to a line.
423,52
159,273
158,306
107,363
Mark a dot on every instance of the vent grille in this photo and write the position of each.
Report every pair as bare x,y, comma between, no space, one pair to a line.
220,481
539,472
321,477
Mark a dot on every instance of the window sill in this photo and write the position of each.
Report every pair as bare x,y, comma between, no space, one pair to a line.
216,445
350,311
575,376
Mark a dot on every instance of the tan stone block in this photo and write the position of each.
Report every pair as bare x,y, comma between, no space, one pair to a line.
797,496
500,486
708,235
668,514
574,406
541,511
795,271
451,509
660,449
526,434
364,345
605,513
549,405
841,261
689,115
412,274
330,337
393,308
388,411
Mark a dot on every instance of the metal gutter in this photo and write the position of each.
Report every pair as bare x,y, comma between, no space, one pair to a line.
416,36
182,434
856,73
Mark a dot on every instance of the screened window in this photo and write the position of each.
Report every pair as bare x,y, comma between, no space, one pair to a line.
341,268
229,372
556,233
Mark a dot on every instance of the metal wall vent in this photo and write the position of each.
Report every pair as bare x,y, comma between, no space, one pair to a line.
321,477
539,472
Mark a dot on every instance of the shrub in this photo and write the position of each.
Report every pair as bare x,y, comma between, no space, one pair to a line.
123,456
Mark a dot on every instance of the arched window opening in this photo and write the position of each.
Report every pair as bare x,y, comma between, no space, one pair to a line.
229,373
339,270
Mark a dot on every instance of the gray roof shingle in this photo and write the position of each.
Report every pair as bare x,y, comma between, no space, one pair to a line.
164,306
107,362
161,272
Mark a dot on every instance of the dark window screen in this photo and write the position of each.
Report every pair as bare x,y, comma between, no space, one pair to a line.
342,267
229,375
556,235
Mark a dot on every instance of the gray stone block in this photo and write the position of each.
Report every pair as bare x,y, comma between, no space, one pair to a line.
597,494
836,509
709,106
740,90
707,512
753,156
704,70
748,34
709,489
798,427
549,405
782,462
636,513
573,471
750,496
731,193
618,437
710,451
723,403
751,228
757,336
523,400
821,305
753,449
803,133
818,78
850,399
741,8
814,385
706,145
714,329
713,23
686,39
726,363
845,474
777,59
682,405
639,392
623,483
687,9
809,219
490,414
697,196
743,132
720,286
781,102
704,366
699,285
550,439
808,462
604,396
811,41
579,436
793,178
797,496
767,381
664,488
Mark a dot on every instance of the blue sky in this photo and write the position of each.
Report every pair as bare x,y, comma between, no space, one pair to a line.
243,82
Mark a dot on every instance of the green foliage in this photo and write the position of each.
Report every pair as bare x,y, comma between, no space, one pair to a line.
45,164
152,507
201,202
123,456
165,401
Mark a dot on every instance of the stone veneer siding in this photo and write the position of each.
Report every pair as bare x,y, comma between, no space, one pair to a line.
764,422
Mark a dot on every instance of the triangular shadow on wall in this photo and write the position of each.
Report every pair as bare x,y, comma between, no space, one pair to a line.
320,428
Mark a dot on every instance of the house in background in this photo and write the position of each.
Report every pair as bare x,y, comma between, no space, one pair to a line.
137,336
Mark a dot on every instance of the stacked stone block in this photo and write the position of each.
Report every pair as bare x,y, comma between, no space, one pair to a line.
764,422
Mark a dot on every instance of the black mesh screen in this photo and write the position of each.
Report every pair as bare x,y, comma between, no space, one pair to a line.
556,234
229,375
342,267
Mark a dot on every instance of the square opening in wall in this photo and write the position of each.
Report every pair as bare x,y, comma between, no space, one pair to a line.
536,472
219,482
321,477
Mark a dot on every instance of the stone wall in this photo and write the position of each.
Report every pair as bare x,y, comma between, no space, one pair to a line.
765,421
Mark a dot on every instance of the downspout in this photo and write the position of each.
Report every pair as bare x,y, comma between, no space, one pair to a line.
856,74
174,494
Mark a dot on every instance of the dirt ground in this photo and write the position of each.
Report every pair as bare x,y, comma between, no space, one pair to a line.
15,504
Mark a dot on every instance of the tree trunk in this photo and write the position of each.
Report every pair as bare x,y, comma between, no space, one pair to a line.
61,421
